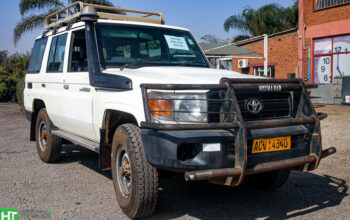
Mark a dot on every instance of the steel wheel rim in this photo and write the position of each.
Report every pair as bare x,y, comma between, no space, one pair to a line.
124,173
42,136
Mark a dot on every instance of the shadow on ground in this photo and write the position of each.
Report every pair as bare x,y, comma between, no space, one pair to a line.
303,193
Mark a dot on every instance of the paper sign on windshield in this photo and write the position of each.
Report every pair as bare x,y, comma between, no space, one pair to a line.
178,43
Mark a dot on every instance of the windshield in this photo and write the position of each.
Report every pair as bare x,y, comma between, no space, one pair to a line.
137,46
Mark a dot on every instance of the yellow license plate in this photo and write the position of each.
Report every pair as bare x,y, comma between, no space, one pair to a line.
271,144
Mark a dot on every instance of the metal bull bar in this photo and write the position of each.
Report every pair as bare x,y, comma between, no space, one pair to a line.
231,118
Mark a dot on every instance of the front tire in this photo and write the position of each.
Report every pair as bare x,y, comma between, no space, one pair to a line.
48,145
268,181
135,180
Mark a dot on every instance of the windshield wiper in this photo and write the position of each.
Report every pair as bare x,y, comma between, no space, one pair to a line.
139,63
193,63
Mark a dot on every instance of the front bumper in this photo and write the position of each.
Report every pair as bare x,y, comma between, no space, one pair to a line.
163,148
162,151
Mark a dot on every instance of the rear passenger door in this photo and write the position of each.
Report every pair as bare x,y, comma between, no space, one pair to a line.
76,99
49,82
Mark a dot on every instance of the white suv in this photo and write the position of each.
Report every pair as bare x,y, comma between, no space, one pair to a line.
142,95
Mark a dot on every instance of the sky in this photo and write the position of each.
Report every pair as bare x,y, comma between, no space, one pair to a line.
200,16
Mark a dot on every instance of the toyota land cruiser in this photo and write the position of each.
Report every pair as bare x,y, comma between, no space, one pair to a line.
142,95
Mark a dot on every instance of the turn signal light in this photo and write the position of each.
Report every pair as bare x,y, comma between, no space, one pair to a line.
161,106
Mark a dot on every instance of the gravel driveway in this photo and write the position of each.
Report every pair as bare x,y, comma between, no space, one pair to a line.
74,188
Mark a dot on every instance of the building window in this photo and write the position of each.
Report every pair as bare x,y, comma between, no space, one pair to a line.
320,4
291,75
331,58
259,71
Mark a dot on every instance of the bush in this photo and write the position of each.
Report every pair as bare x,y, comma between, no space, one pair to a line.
19,92
7,88
12,73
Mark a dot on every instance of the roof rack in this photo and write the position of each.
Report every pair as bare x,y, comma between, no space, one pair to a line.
72,13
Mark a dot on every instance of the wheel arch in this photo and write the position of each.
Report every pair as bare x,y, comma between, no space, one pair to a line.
111,120
37,105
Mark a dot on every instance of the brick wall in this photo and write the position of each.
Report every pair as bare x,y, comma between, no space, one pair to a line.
327,15
282,52
316,22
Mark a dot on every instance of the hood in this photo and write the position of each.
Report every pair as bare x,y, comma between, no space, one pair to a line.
176,75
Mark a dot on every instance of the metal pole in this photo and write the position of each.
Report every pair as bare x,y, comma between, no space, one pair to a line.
235,57
265,54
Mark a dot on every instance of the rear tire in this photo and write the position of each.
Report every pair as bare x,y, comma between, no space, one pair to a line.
135,180
48,145
269,180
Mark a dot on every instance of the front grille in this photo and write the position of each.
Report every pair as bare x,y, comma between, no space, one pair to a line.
276,105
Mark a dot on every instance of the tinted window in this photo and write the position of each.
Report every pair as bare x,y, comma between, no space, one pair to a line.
37,56
78,56
143,46
56,55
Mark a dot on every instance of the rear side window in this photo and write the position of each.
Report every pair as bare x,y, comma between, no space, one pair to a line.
56,55
37,56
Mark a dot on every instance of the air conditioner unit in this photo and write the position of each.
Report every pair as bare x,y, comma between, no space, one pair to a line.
243,63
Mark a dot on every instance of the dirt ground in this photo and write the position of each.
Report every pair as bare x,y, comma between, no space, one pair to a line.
74,188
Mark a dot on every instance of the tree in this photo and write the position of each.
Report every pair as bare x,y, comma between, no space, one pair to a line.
210,38
213,39
35,21
268,19
3,56
240,38
12,72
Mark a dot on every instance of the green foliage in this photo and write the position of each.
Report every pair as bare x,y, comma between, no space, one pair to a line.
268,19
240,38
12,73
3,56
96,2
19,91
46,7
28,5
213,39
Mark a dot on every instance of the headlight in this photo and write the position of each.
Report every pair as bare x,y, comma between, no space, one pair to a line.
178,107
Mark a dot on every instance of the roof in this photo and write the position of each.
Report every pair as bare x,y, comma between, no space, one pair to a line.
225,49
261,37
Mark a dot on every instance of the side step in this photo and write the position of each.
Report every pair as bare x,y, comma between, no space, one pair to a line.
78,140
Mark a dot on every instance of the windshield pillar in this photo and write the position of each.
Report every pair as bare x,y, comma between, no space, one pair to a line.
96,77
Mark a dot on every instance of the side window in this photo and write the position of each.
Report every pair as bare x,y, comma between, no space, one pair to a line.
37,56
56,55
78,56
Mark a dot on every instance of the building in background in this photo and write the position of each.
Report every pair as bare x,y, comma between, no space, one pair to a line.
219,54
318,51
282,56
324,29
324,47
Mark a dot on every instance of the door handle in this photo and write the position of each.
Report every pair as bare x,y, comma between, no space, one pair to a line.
66,86
43,85
29,85
84,89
